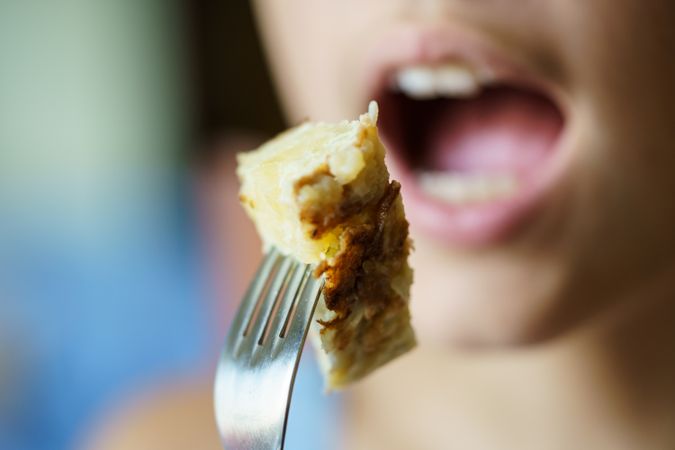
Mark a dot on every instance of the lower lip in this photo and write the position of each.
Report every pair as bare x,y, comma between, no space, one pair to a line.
473,225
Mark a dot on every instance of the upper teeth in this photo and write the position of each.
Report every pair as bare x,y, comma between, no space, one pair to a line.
461,189
448,80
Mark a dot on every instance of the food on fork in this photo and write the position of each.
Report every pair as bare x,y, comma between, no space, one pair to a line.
321,193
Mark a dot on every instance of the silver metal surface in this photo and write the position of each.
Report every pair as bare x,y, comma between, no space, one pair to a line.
256,371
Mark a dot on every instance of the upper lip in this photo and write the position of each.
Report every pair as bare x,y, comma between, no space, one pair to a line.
411,44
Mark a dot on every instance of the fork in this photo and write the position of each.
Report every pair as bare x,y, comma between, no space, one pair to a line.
256,371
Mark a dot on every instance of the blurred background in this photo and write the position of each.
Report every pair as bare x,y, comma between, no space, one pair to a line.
121,240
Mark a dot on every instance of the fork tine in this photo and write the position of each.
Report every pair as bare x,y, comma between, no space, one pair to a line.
304,309
279,282
250,300
295,289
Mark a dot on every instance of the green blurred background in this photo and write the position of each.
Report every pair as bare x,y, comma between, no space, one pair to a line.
112,116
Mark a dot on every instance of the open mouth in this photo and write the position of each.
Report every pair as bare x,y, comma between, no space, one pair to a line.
474,152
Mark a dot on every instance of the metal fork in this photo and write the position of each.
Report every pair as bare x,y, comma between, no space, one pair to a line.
256,371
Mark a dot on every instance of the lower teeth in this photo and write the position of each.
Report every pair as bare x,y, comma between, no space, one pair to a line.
467,188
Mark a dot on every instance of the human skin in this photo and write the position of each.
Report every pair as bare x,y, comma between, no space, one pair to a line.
605,229
573,308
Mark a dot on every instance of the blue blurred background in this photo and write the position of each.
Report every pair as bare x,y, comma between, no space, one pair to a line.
118,120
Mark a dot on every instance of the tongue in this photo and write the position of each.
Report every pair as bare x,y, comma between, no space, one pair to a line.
501,131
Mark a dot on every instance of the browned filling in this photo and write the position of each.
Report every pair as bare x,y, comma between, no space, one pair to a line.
374,246
326,216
